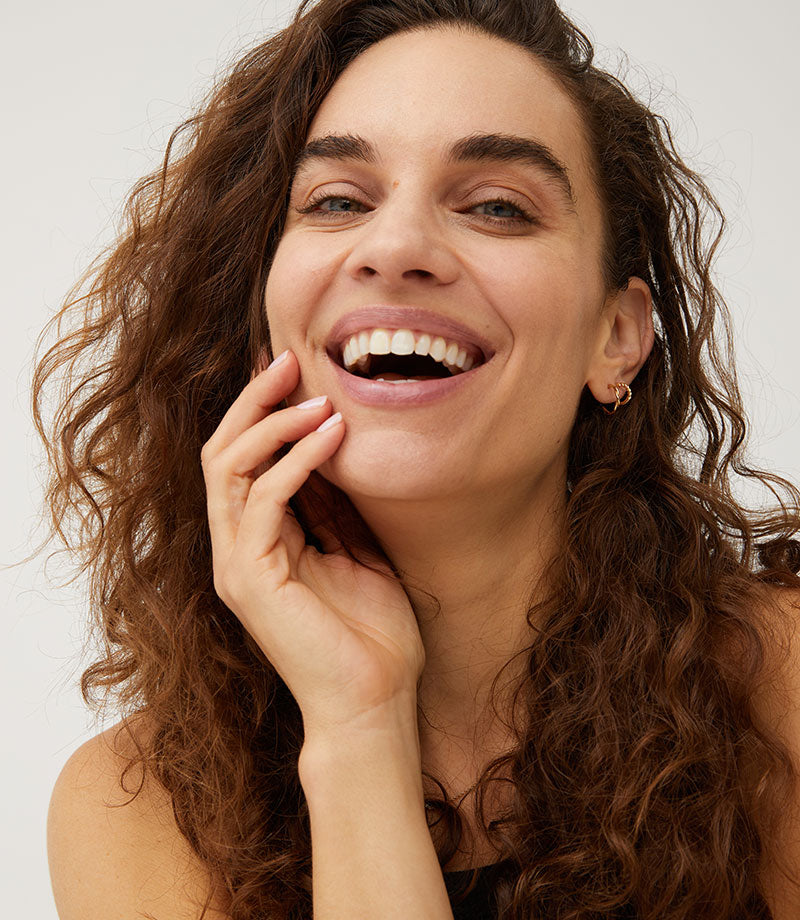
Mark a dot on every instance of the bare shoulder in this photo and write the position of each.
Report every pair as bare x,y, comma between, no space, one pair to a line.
779,609
112,854
776,705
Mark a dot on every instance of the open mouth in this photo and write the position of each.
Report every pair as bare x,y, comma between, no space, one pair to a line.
403,355
401,367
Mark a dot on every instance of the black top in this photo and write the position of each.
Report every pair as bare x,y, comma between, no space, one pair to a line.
479,904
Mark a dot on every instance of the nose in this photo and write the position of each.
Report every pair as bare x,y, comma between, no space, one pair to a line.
403,241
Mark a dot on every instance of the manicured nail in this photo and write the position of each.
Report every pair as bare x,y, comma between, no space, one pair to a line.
330,422
280,359
312,403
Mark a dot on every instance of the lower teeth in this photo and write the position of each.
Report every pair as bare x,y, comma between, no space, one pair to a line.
405,379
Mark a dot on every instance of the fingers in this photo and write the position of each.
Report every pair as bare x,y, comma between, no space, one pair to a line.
264,513
229,475
256,401
263,439
246,440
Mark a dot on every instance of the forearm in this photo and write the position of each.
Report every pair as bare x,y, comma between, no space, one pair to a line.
371,850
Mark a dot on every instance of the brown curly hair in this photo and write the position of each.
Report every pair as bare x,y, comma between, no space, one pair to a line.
643,783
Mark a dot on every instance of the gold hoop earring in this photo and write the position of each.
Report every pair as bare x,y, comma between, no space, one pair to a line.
619,402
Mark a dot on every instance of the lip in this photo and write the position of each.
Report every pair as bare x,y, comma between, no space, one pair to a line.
414,318
399,395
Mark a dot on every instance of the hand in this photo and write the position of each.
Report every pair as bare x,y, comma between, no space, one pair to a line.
343,638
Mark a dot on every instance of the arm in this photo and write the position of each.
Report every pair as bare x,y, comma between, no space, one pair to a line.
371,850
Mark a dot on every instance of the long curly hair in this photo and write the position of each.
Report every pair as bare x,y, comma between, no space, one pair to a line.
644,783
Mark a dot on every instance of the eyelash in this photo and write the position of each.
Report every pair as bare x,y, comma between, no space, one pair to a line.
524,216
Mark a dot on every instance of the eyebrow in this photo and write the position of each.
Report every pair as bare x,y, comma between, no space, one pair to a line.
497,148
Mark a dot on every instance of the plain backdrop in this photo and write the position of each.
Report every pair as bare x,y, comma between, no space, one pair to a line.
90,92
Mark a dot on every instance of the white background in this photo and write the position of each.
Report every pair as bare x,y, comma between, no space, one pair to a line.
90,91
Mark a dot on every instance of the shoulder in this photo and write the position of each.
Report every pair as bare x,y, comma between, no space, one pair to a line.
776,707
113,854
778,696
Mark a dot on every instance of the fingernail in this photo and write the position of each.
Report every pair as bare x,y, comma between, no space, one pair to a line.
330,422
312,403
280,359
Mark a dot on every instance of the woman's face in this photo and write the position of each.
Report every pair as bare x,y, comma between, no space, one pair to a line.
502,237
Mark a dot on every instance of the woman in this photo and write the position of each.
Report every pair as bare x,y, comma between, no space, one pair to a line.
405,481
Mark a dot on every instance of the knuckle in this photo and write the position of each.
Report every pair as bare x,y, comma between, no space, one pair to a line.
211,463
223,589
263,487
262,468
206,454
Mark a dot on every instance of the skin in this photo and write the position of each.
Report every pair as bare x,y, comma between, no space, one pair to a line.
466,494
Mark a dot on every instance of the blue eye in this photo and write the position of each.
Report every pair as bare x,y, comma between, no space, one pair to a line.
347,201
504,205
315,203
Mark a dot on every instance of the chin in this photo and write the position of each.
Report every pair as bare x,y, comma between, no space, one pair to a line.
384,465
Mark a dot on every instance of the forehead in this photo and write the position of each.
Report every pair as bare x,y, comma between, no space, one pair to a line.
417,92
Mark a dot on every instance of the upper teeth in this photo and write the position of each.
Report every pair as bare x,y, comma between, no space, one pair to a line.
360,346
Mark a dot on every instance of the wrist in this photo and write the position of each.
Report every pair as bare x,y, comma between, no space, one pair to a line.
374,751
371,847
393,721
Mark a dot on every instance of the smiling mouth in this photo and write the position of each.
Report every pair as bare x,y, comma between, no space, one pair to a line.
376,359
400,367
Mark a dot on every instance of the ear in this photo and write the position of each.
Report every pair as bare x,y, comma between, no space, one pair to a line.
624,340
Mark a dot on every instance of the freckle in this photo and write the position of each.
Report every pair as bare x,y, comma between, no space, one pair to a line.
395,183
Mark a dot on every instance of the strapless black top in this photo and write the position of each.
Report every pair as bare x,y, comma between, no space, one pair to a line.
479,904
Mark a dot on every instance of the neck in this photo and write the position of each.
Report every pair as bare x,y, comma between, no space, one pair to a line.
471,570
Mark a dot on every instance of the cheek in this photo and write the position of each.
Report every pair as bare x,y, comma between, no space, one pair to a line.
291,282
545,293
